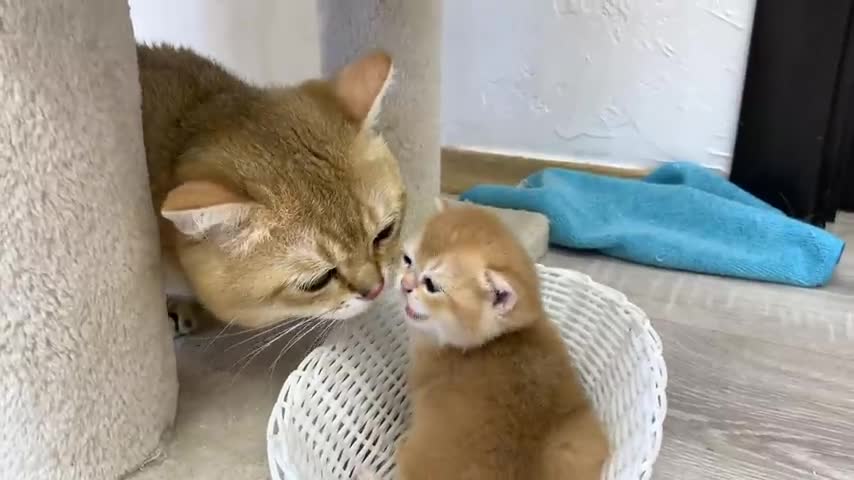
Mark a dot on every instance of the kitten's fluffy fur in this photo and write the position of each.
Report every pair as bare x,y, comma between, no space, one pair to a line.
275,202
494,392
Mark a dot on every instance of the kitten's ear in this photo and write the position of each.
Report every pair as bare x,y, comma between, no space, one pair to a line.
361,85
504,296
198,208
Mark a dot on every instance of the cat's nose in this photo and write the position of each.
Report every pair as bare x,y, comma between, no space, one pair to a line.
374,292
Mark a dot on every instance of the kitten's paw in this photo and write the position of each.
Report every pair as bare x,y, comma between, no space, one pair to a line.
184,316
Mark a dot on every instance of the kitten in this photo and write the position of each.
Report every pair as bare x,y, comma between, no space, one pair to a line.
494,392
276,202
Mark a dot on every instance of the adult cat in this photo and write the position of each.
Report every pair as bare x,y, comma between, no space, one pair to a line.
275,202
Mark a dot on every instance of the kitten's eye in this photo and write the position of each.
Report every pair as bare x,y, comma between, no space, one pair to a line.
384,234
318,283
406,260
429,285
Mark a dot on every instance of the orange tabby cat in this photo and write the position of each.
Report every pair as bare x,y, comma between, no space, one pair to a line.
276,202
494,392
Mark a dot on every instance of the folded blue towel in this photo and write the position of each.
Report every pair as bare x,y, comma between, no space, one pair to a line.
681,216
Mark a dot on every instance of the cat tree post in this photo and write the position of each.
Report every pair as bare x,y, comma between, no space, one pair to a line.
87,368
410,30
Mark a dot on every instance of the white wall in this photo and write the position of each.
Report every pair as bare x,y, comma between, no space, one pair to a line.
622,82
265,41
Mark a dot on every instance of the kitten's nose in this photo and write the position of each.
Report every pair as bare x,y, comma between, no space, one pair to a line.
374,292
408,283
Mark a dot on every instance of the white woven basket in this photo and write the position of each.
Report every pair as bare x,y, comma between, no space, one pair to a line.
345,405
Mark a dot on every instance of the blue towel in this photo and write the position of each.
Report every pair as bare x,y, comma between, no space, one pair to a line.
681,216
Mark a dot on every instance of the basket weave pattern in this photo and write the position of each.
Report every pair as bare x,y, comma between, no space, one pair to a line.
345,405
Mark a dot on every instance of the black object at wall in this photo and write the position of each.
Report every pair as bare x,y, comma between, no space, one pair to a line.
847,194
795,135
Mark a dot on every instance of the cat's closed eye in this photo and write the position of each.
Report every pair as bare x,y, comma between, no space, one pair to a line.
384,234
318,283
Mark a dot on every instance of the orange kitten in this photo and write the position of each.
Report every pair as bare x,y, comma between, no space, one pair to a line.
493,389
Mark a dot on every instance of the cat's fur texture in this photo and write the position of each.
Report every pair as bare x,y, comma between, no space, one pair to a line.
275,202
494,392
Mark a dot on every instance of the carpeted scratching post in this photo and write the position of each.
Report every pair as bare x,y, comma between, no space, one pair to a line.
411,32
87,369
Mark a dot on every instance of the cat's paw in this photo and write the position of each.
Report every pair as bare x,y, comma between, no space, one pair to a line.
184,316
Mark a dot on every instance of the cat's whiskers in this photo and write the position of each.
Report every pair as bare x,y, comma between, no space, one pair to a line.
330,325
246,359
320,326
219,334
265,343
271,327
323,326
300,323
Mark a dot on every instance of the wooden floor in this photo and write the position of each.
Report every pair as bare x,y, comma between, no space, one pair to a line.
761,377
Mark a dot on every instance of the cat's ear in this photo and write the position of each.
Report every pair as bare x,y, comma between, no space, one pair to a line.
361,85
200,209
502,293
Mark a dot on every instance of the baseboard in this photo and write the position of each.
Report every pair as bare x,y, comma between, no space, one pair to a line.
463,169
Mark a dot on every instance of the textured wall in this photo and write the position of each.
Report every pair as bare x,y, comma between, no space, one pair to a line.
626,82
